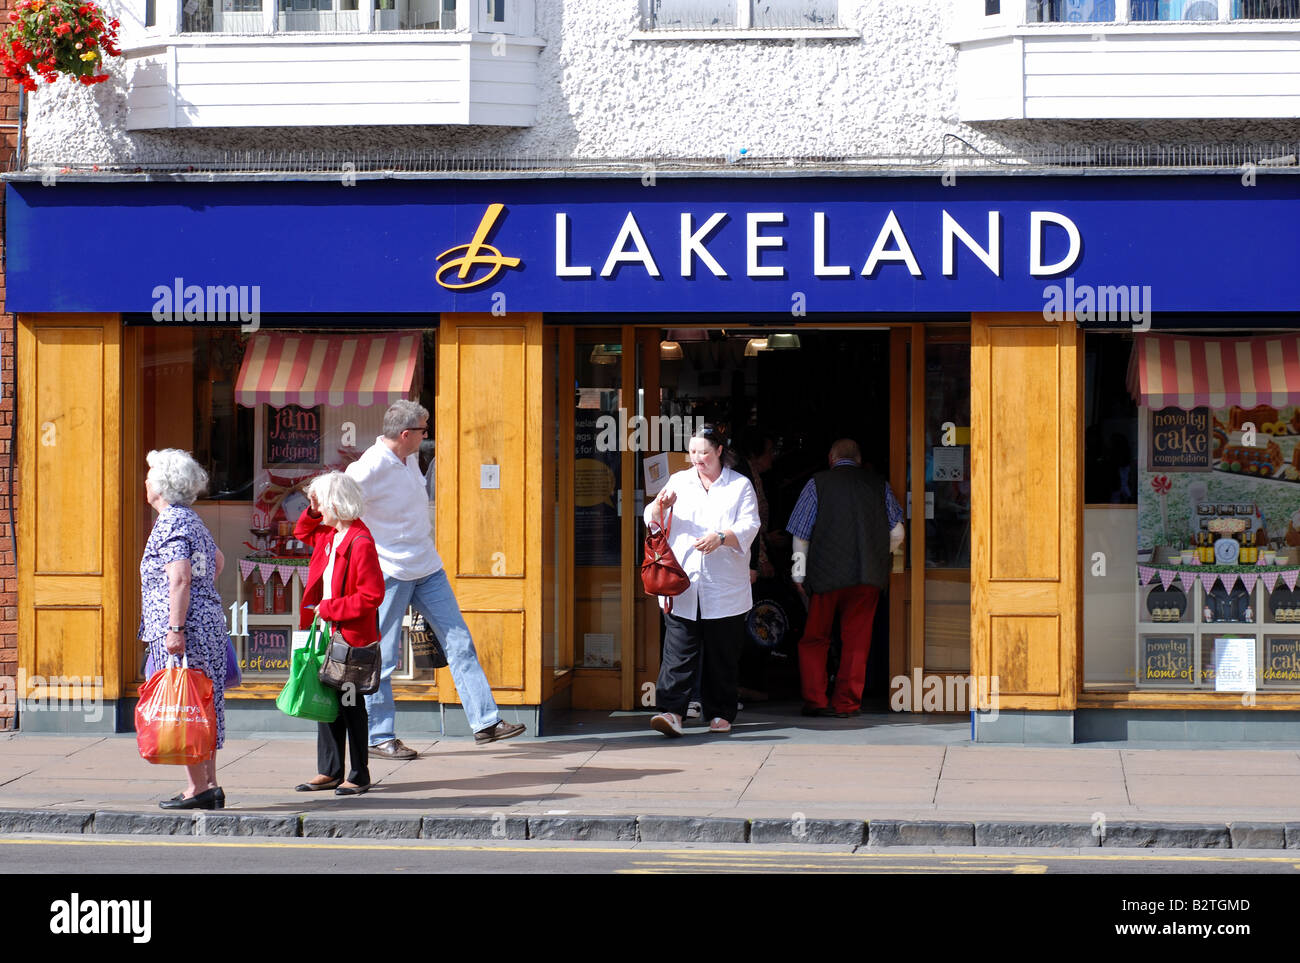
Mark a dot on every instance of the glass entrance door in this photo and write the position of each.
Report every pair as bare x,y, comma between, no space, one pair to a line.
947,502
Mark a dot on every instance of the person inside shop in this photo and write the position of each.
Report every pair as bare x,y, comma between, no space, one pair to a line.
847,522
345,587
714,522
397,514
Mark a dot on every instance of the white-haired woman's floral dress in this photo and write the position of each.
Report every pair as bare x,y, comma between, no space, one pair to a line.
177,534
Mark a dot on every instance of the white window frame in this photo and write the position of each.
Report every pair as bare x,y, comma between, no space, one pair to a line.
744,19
467,13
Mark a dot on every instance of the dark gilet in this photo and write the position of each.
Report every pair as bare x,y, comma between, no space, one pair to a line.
850,538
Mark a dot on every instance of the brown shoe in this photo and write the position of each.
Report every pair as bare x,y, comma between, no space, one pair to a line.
502,730
393,749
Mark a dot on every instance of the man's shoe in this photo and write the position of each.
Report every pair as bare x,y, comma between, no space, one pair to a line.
502,730
848,713
822,712
208,799
352,790
694,711
669,723
394,749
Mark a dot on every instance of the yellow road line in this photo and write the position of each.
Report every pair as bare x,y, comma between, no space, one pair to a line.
972,857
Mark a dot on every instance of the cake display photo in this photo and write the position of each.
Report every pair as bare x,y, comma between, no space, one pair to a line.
1262,441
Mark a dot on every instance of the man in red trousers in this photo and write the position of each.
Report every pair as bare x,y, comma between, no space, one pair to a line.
846,523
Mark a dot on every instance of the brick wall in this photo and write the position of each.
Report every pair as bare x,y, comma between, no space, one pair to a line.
8,562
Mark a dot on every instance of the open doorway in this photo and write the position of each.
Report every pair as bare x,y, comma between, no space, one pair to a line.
784,398
901,391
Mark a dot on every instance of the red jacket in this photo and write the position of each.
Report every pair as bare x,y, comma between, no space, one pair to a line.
358,581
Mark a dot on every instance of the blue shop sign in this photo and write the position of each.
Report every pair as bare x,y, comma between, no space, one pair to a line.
1100,248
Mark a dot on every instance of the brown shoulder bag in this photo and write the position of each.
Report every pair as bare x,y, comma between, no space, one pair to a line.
661,574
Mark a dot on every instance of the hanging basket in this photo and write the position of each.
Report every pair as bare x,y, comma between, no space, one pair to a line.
53,38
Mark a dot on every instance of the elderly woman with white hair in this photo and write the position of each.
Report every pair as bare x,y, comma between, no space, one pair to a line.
344,586
180,610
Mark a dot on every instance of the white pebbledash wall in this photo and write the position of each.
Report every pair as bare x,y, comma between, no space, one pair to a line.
605,91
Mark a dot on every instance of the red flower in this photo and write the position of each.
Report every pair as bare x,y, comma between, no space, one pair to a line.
63,29
84,9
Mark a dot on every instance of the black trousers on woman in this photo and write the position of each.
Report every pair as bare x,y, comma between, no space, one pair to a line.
717,642
351,725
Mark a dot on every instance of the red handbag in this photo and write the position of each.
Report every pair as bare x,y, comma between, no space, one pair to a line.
661,574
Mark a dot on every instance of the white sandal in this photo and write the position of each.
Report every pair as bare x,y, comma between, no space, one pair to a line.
669,723
719,724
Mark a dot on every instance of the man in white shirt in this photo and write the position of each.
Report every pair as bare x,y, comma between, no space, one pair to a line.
397,514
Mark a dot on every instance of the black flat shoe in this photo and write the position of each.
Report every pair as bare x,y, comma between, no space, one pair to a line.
818,712
352,790
213,798
317,786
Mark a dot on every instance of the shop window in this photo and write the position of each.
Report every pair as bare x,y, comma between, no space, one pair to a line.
1192,583
264,414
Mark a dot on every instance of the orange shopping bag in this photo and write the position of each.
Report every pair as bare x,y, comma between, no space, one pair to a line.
175,719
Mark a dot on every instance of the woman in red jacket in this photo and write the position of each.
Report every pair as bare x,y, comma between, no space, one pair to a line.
345,587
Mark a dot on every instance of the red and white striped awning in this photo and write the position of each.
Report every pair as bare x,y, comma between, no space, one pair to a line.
327,369
1186,370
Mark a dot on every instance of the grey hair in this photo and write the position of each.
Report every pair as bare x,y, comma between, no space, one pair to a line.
339,494
176,477
401,415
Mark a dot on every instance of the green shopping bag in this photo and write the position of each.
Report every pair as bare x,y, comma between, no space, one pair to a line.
303,696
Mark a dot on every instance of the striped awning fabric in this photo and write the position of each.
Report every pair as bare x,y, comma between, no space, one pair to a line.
1185,370
327,369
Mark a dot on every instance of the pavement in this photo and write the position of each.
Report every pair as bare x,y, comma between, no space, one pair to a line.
777,777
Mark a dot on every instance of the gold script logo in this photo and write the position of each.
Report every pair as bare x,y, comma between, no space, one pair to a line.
477,253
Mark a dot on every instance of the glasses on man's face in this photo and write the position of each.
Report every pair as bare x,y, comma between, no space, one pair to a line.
422,429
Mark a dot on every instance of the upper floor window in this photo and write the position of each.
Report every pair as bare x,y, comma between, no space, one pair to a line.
327,16
741,14
1105,11
1070,11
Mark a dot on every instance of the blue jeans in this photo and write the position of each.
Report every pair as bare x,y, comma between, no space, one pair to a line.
433,598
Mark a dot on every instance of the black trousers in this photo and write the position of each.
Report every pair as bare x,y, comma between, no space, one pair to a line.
717,644
351,725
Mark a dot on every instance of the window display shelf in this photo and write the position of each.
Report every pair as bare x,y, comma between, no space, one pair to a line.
1177,650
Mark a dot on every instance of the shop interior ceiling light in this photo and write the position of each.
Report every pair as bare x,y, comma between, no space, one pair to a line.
783,342
670,351
679,335
754,346
606,354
